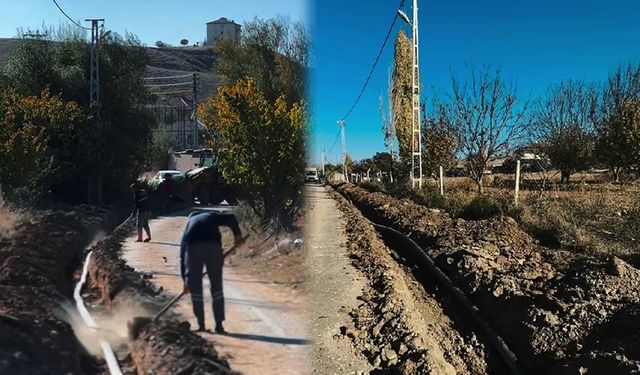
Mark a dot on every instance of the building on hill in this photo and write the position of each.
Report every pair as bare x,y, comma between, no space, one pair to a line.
222,28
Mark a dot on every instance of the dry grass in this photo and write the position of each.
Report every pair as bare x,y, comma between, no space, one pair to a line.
588,216
600,219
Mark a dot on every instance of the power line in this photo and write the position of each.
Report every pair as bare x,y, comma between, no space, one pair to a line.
366,82
170,92
335,142
167,77
70,19
170,84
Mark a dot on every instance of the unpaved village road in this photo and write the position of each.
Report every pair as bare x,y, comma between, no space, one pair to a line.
331,287
265,321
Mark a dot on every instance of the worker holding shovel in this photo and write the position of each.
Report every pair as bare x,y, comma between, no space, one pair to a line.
201,246
143,213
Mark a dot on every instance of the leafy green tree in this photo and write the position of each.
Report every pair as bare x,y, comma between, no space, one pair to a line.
261,143
274,53
162,143
33,136
383,161
563,122
439,141
401,97
63,67
618,139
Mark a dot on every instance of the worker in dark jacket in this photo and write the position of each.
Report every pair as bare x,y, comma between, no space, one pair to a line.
143,214
201,245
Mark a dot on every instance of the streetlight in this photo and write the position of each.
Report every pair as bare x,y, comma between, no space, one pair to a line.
416,141
404,17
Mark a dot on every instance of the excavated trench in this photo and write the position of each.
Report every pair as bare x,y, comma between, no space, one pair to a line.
406,323
40,329
36,287
558,312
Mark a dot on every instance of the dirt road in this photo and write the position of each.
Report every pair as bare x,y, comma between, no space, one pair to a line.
332,287
265,321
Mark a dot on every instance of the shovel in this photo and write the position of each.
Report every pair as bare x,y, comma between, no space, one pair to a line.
138,322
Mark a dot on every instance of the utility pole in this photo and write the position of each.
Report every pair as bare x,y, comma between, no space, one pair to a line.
95,180
195,110
322,160
416,141
344,150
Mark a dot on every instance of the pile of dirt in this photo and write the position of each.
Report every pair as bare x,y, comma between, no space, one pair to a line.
169,347
112,281
36,270
559,312
390,325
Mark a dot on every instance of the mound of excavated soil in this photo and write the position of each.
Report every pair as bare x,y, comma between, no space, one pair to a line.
167,347
560,313
399,326
36,270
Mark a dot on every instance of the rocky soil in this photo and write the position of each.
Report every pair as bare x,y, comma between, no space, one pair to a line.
400,326
169,347
559,312
36,269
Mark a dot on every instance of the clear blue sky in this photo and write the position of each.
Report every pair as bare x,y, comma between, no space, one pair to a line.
536,43
151,20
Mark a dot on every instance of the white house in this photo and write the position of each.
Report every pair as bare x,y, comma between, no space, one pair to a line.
222,28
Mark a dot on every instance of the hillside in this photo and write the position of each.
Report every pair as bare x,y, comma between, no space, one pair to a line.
164,62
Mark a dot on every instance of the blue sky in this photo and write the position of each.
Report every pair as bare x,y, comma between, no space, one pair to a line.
166,20
536,43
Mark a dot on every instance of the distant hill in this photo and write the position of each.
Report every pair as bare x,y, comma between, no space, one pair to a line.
165,62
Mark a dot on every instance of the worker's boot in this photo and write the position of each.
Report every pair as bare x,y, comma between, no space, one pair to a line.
139,235
220,328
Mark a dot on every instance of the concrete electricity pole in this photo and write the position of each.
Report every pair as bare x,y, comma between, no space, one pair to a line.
416,141
322,160
341,124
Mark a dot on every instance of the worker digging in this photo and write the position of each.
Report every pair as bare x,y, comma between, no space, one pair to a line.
201,246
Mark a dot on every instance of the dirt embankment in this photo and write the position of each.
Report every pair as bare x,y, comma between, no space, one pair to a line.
559,312
165,346
399,325
36,270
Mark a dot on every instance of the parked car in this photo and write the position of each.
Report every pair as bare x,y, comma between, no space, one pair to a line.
175,175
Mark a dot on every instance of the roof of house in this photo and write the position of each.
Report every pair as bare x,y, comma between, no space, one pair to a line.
222,20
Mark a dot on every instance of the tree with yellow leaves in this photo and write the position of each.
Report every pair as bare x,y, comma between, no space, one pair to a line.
31,126
260,144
